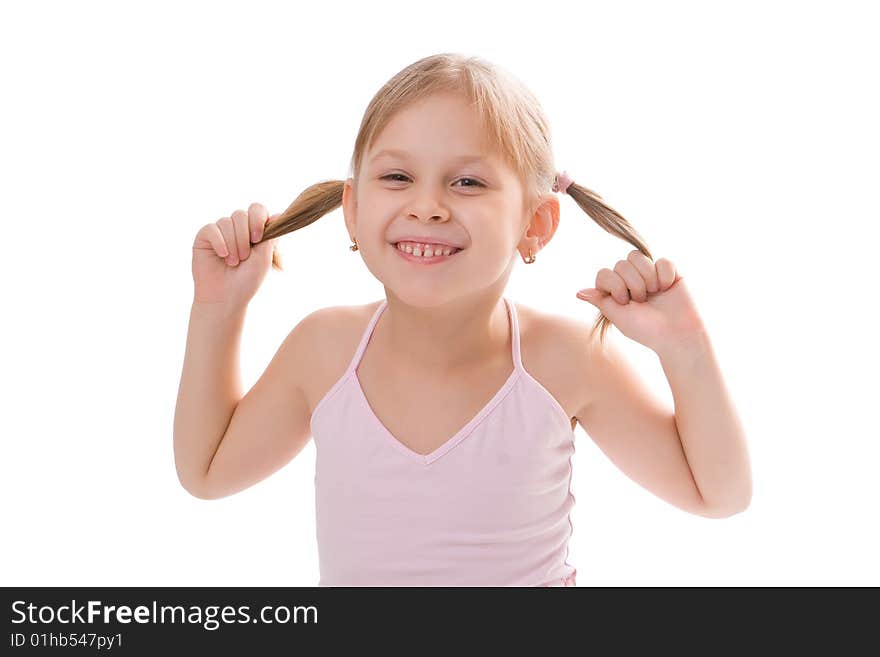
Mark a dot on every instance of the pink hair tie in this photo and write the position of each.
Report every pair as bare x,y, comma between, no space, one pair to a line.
562,182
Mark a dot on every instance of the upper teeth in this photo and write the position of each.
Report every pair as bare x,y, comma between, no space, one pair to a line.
426,250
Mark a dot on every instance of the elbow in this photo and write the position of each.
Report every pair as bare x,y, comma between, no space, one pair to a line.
724,511
196,488
202,493
730,504
199,493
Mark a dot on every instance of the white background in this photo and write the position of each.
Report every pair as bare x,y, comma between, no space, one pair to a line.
741,140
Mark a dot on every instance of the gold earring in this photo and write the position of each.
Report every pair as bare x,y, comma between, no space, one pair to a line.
354,247
530,259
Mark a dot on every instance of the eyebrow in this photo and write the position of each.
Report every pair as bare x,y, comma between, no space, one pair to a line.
393,152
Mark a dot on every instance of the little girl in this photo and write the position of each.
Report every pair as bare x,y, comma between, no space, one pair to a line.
443,415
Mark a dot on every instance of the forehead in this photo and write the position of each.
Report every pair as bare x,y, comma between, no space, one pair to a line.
441,125
403,154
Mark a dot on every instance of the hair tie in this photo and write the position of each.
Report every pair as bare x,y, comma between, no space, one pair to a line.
562,182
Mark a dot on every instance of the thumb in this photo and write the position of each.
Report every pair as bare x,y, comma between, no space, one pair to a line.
264,245
590,294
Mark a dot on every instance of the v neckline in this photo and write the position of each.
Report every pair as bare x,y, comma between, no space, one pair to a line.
464,431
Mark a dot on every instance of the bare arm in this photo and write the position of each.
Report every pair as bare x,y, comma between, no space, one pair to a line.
641,435
210,389
224,442
708,426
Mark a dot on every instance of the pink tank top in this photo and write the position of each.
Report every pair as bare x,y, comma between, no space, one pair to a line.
489,507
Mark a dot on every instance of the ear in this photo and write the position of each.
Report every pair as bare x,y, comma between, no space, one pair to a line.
542,225
349,207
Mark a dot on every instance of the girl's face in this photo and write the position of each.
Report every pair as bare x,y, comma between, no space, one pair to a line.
428,188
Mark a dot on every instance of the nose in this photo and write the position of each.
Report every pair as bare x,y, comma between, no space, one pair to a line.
430,218
429,212
433,218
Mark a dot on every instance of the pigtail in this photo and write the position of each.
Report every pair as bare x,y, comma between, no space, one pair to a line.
612,222
312,204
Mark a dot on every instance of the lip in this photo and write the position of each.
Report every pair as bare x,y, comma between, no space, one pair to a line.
422,260
425,240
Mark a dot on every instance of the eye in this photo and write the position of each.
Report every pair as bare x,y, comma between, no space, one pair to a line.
478,183
474,180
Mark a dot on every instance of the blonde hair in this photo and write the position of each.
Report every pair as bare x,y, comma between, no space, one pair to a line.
512,120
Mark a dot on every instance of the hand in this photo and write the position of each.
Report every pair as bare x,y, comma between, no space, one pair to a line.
230,259
647,302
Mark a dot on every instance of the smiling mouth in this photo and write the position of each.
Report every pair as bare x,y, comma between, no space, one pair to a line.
425,252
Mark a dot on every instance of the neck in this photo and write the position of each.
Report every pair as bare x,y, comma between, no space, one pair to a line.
446,338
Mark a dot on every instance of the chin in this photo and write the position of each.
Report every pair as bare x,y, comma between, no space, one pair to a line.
421,296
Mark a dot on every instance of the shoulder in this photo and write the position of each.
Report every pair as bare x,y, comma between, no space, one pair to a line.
560,351
330,338
560,336
332,324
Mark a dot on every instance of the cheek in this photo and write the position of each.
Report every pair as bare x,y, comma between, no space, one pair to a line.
501,236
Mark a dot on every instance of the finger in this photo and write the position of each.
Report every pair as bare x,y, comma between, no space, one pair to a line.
270,220
611,282
228,232
665,273
257,215
634,281
242,233
646,268
212,235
